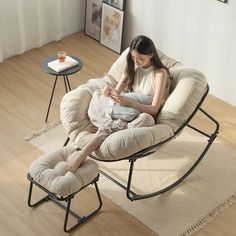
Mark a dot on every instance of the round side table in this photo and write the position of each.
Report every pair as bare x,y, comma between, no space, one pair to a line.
64,74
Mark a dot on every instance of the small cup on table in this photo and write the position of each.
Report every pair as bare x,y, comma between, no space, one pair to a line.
61,55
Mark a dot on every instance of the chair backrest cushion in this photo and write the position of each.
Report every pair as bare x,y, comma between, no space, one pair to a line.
187,90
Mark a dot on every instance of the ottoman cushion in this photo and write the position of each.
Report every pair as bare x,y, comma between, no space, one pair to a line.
50,172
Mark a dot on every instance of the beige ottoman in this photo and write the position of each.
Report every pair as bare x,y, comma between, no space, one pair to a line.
49,174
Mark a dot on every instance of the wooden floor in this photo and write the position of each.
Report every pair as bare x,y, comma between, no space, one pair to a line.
24,96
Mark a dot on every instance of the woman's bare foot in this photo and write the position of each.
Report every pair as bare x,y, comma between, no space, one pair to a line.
94,129
75,161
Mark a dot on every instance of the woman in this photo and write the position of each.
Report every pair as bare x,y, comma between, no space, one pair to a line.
145,74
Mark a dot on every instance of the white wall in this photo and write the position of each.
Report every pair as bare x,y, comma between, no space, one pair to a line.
199,33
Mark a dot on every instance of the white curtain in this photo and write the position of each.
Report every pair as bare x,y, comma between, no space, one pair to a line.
27,24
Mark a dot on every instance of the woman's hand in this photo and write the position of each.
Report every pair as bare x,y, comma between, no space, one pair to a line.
108,91
123,101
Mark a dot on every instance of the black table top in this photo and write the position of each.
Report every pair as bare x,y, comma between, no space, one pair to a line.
69,71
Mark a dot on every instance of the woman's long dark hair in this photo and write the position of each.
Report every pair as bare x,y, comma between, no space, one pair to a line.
143,45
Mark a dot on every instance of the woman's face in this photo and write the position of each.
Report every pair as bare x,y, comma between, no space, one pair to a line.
141,60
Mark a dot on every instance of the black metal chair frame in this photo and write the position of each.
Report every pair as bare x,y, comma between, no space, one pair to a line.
131,195
67,200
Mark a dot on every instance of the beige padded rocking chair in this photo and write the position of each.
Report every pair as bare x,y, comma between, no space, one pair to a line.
189,88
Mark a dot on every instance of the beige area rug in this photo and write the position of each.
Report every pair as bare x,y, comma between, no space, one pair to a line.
182,211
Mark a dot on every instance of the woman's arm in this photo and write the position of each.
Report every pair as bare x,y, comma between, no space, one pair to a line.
110,92
153,109
122,83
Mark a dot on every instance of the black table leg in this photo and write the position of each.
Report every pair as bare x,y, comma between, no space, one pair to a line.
67,83
50,102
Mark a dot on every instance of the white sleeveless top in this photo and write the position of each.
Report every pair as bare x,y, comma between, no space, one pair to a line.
145,82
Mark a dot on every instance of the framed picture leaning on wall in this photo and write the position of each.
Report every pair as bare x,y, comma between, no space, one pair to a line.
116,3
111,27
93,15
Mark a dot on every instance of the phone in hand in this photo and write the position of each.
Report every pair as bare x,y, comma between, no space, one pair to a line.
109,91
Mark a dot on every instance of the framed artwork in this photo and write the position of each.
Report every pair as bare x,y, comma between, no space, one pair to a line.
93,15
111,27
224,1
116,3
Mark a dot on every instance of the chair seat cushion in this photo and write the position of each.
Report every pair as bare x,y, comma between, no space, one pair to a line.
124,143
50,172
